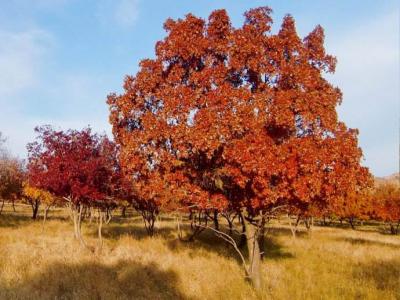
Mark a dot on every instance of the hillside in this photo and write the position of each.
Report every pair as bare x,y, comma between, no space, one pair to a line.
393,178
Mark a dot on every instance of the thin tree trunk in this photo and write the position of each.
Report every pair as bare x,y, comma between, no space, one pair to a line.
216,224
293,229
35,208
261,238
100,230
79,226
13,205
2,206
46,210
351,221
242,241
254,254
311,227
75,219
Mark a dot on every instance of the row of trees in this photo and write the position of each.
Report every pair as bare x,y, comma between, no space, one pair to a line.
224,122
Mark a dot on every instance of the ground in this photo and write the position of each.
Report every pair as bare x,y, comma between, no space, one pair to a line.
39,262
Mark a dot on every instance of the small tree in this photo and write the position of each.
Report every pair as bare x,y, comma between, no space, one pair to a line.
77,166
35,197
11,179
386,205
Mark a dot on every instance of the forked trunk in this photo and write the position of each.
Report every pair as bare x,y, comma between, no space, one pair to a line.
254,268
76,212
293,228
79,226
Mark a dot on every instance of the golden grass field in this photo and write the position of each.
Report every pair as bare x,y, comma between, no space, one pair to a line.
332,263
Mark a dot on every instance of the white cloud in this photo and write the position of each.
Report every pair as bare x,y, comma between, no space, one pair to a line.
121,12
21,54
127,12
368,75
22,58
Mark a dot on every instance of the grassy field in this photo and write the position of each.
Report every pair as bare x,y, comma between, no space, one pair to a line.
332,263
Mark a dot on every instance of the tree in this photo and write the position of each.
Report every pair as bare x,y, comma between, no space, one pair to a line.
77,166
386,205
35,197
237,118
11,179
355,205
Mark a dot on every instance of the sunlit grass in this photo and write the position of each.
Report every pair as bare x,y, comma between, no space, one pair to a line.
332,263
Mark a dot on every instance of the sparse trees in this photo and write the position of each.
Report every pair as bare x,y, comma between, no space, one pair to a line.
237,118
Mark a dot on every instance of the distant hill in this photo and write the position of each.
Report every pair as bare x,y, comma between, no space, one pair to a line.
394,178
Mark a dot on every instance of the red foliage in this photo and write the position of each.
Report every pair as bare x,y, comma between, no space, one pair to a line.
77,165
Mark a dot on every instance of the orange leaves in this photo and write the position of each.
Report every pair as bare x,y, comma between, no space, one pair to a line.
243,100
36,194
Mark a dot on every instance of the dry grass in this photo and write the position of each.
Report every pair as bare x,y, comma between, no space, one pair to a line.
333,263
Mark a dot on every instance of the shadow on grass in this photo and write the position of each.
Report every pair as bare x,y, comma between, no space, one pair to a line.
17,220
366,242
134,227
14,220
385,275
211,243
124,280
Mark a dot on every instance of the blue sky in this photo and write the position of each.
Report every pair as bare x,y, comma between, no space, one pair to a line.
60,58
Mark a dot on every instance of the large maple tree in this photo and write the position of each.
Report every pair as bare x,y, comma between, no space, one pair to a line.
239,118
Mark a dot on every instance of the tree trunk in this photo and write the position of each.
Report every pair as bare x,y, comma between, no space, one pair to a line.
99,230
75,219
149,219
123,212
46,210
254,254
230,224
35,208
242,241
293,229
351,221
261,238
13,205
215,219
2,206
394,228
80,226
